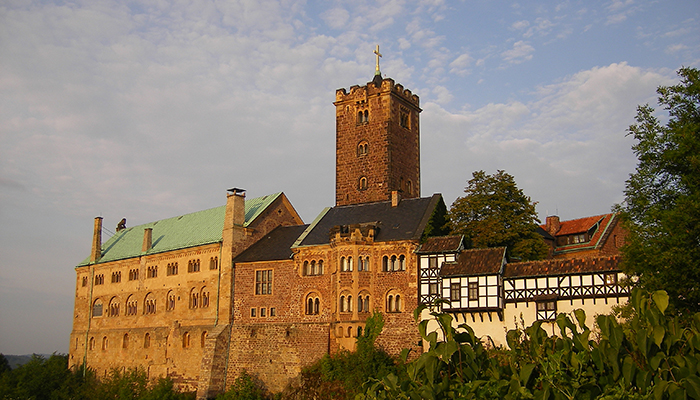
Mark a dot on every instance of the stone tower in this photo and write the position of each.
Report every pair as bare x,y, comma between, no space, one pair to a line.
377,142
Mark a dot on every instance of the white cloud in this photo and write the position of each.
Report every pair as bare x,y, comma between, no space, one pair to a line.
520,52
460,64
674,48
520,25
336,18
442,95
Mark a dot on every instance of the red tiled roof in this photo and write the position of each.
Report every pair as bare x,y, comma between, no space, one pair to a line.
580,225
441,244
561,267
475,262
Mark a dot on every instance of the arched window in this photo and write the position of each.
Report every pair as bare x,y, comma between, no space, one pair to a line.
317,305
203,340
186,340
105,343
194,298
149,306
310,306
402,262
312,267
350,267
360,304
393,302
205,297
409,187
125,341
349,307
342,304
131,305
366,115
146,340
385,264
362,148
362,185
313,304
319,267
113,310
306,269
91,344
359,331
170,302
214,263
343,264
394,266
97,308
349,331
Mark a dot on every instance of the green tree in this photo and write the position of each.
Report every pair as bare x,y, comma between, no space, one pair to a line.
495,212
662,197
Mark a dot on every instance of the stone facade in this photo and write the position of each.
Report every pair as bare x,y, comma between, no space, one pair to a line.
377,143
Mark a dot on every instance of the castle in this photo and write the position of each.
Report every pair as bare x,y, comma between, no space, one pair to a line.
203,296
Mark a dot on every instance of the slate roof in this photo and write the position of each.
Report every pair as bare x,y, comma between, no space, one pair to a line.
189,230
562,267
276,245
476,262
441,244
403,222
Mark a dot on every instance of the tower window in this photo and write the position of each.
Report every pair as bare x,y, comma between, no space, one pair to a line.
362,117
404,118
363,183
362,148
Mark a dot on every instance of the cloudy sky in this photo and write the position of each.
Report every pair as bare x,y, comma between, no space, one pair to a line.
152,109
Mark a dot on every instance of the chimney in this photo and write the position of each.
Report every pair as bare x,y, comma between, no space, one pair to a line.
235,205
147,239
96,252
552,225
395,198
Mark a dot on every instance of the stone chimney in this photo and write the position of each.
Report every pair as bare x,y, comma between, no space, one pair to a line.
96,252
552,225
235,207
147,239
395,198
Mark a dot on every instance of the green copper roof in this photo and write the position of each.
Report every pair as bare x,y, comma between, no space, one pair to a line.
195,229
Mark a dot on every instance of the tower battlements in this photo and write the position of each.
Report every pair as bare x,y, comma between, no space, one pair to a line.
358,92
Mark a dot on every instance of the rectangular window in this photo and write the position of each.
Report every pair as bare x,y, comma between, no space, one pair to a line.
610,279
252,312
432,263
273,311
455,292
263,312
473,291
263,282
433,288
546,310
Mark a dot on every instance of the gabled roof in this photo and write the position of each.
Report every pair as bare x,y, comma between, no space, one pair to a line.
189,230
562,267
476,262
580,225
442,244
406,221
276,245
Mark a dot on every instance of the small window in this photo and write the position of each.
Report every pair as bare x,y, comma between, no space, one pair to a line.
85,280
125,341
91,344
131,305
363,183
393,302
133,274
273,311
404,118
214,263
194,298
611,279
147,341
203,339
152,271
455,292
473,291
113,310
263,312
186,340
170,304
362,149
172,269
116,277
432,262
193,266
205,298
433,288
97,308
99,279
105,343
253,312
263,282
149,304
546,310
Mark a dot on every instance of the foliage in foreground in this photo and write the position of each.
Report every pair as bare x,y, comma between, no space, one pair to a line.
494,212
651,356
661,210
51,379
342,375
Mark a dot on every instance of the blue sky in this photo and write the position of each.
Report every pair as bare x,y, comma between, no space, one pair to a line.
148,110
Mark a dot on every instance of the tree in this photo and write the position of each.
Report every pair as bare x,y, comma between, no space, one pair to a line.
494,212
661,209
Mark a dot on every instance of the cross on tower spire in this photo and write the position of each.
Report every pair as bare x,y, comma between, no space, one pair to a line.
376,51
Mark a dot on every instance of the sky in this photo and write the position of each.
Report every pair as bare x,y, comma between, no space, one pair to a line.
146,110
